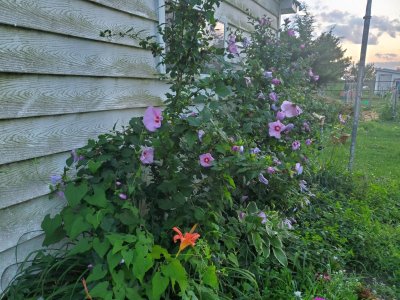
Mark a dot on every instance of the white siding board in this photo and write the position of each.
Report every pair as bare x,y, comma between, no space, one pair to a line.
27,51
27,138
74,17
17,220
39,95
22,181
255,9
233,16
12,257
272,6
236,14
143,8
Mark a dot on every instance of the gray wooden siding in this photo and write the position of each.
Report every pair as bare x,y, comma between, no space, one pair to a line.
236,12
62,83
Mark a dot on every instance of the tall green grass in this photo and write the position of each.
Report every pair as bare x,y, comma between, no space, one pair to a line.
377,151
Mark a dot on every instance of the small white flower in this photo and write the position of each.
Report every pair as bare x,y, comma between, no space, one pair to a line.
297,294
289,225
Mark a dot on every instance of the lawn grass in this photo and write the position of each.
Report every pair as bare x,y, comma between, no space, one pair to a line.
377,151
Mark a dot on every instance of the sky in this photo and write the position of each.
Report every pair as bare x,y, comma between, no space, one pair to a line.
346,16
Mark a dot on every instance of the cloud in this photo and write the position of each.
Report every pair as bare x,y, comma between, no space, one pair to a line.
388,65
386,56
350,27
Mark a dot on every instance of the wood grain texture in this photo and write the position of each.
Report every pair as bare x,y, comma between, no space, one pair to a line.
23,221
74,17
236,14
29,179
143,8
40,95
10,258
27,51
273,6
256,9
27,138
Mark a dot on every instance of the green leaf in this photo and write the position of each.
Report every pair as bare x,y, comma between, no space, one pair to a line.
199,214
127,255
113,260
177,273
98,198
157,251
100,290
222,90
141,264
252,208
101,247
75,193
132,293
97,273
233,259
159,284
230,180
210,277
93,166
74,225
95,219
119,292
228,196
199,99
191,139
82,246
257,242
129,216
222,148
280,256
53,230
194,121
118,280
267,248
118,238
275,241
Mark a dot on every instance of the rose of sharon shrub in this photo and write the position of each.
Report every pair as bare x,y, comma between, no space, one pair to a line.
227,168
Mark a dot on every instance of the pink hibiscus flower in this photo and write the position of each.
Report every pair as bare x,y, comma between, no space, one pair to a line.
290,109
280,115
206,160
147,156
152,118
296,145
275,129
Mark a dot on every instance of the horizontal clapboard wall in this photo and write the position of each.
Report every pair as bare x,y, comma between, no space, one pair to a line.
236,12
62,83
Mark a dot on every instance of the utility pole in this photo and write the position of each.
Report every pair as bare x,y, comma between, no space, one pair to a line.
360,79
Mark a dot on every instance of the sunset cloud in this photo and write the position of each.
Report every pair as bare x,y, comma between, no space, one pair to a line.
350,27
345,19
386,56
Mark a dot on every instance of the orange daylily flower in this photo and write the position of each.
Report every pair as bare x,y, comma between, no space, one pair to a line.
188,239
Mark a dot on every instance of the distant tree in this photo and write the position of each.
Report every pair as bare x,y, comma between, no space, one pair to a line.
325,52
369,72
329,60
